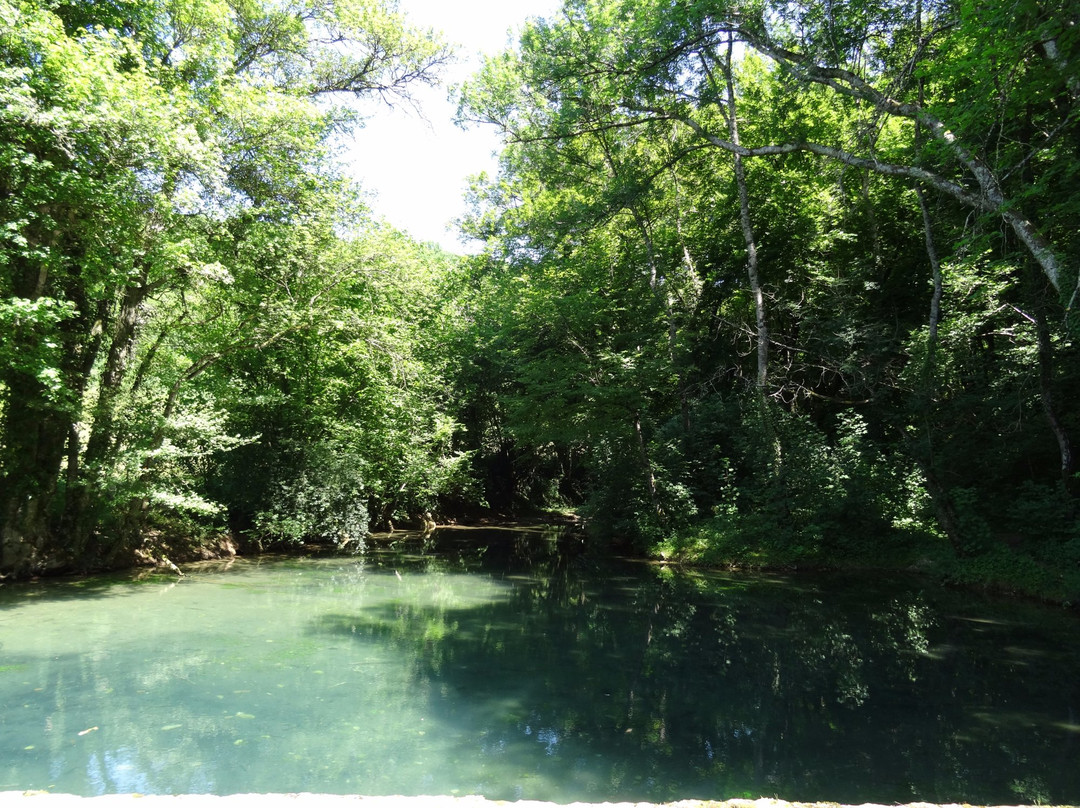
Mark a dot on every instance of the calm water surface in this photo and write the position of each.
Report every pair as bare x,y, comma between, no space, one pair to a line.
486,662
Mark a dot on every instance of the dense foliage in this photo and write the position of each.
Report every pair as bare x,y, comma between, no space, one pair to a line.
202,326
764,282
780,282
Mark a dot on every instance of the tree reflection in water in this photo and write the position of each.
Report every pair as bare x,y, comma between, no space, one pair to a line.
492,662
646,682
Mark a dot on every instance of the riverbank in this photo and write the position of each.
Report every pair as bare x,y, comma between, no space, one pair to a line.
998,569
43,799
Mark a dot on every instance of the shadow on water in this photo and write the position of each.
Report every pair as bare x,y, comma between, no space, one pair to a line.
117,585
637,682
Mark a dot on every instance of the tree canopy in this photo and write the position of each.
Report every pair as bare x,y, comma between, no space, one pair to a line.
175,231
762,282
801,275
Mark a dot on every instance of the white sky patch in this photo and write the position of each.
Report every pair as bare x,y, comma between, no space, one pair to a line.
418,169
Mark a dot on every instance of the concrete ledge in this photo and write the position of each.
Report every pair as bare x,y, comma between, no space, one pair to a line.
45,799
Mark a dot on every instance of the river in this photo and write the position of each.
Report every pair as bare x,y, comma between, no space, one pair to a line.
499,662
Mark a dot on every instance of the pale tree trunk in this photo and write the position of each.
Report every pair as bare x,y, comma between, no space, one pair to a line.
991,198
749,239
669,314
935,268
692,276
939,494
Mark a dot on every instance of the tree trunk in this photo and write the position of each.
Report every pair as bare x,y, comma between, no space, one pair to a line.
935,297
35,442
669,314
646,466
1046,396
925,395
945,511
991,197
749,239
80,520
121,349
37,432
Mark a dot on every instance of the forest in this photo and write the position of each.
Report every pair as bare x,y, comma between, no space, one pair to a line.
762,284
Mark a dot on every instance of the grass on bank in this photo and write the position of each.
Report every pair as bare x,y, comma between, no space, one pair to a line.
1037,571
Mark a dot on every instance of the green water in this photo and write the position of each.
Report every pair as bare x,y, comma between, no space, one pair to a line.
488,662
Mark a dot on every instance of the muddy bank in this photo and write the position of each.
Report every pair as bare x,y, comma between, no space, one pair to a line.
41,799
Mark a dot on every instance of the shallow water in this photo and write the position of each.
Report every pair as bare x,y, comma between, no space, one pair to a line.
490,662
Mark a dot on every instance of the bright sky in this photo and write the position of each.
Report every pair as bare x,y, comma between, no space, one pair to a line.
418,169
